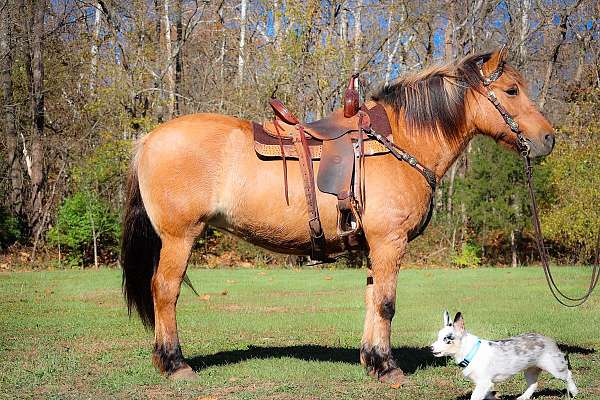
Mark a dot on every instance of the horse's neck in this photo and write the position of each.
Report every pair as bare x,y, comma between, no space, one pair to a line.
434,153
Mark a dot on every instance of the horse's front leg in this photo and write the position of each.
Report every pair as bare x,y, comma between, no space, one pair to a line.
376,350
166,284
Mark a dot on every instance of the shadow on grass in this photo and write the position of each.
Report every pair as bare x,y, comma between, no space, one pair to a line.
408,358
570,349
540,393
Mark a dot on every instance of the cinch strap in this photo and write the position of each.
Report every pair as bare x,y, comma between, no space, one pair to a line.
467,360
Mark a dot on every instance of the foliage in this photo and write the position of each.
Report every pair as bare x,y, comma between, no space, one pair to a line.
10,228
103,170
110,85
493,189
81,217
573,218
468,257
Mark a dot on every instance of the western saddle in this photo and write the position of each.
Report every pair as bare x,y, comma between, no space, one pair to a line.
340,142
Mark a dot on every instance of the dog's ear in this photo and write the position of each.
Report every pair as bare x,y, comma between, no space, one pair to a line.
447,321
459,322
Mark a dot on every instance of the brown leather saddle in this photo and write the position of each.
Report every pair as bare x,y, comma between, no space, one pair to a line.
340,145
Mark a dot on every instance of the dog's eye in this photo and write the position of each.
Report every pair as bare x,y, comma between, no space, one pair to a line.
448,339
513,91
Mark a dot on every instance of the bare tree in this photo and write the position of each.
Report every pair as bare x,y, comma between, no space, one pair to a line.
10,127
168,62
241,55
550,65
358,10
35,32
524,31
94,47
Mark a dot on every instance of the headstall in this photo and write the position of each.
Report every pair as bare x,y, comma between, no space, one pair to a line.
524,149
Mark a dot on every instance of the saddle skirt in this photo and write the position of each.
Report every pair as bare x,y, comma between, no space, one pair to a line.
268,146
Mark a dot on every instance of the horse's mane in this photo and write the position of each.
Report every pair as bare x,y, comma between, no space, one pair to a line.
434,100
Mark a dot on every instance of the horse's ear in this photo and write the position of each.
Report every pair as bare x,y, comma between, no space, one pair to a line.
447,321
498,57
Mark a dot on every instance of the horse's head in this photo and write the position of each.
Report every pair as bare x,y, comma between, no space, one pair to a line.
509,88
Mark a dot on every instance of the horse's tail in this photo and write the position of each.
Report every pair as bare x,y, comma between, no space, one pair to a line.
140,251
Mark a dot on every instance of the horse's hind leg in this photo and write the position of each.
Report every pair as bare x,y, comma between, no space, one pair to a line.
166,284
376,350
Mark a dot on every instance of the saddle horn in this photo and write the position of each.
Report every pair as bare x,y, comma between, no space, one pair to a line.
351,98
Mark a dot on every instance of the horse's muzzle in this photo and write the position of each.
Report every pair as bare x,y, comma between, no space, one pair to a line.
543,147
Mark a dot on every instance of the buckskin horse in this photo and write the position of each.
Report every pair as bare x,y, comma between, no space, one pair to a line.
202,169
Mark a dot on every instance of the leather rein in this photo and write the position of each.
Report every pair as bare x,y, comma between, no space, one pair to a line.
524,150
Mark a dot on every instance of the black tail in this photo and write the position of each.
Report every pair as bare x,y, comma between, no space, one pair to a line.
140,252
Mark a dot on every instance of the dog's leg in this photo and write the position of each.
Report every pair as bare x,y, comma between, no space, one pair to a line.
481,390
571,385
491,396
531,376
558,367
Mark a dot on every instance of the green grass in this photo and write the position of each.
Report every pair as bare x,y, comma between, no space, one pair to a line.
276,334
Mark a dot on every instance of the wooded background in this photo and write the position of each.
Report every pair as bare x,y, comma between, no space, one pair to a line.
82,80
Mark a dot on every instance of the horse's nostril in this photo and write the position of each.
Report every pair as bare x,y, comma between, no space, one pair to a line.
549,139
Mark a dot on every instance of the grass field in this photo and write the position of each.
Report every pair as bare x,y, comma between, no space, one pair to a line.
277,334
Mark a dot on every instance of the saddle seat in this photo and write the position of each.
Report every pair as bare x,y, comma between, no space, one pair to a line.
331,127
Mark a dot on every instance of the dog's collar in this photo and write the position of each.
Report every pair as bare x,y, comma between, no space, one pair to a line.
467,360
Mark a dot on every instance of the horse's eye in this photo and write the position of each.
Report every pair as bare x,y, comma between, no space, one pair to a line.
513,91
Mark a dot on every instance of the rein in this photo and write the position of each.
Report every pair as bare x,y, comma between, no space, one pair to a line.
524,150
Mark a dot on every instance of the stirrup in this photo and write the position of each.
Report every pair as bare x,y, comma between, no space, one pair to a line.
348,221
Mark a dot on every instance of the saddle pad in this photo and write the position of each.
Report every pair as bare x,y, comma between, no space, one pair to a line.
268,147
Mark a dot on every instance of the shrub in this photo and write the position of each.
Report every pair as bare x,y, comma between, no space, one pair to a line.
80,217
468,257
10,228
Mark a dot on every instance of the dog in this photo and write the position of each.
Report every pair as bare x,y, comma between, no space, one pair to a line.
486,362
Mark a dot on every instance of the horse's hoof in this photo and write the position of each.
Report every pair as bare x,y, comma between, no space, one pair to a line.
395,378
184,374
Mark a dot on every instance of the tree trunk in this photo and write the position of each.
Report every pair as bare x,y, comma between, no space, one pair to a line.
451,180
392,51
179,56
344,26
94,47
513,249
36,78
10,127
241,55
276,22
170,81
357,34
552,61
449,37
525,11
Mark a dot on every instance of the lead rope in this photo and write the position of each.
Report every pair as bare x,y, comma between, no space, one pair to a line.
556,292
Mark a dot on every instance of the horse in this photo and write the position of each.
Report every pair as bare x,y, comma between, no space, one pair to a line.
202,169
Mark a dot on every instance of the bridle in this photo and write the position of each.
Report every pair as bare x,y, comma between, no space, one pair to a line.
524,150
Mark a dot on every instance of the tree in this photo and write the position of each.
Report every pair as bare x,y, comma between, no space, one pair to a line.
9,111
35,27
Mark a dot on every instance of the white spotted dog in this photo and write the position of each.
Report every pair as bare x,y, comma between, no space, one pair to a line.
486,362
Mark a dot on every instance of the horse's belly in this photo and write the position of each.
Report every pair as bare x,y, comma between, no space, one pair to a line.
252,205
